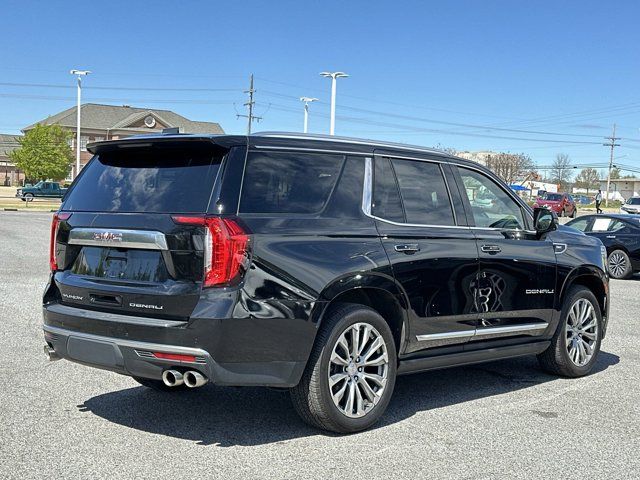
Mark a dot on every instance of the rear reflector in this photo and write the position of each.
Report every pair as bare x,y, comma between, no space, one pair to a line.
175,356
55,224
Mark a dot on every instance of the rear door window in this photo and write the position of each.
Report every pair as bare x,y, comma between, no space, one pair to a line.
424,192
299,183
150,180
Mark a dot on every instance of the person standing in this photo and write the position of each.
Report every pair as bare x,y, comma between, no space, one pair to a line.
598,199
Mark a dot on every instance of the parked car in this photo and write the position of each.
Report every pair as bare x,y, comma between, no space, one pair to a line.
560,203
631,206
583,199
322,265
41,189
620,234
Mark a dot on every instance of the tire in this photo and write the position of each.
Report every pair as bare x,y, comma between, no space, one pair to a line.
619,264
574,214
158,385
312,397
560,358
563,213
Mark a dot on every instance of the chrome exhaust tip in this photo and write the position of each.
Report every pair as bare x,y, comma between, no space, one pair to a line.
193,379
172,378
51,354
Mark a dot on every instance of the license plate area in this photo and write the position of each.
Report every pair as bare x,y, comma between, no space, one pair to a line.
121,264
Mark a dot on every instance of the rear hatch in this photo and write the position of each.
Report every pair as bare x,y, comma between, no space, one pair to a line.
121,243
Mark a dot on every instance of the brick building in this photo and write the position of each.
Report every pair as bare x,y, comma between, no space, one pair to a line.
9,174
107,122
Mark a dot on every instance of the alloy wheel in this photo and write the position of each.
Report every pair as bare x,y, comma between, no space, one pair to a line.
581,332
358,370
617,264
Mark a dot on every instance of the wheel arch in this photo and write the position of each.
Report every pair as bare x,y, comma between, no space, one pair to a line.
379,292
593,279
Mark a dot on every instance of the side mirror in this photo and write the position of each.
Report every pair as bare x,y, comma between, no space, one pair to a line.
544,220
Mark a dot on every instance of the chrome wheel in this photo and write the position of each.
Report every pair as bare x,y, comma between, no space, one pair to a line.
581,332
358,370
617,264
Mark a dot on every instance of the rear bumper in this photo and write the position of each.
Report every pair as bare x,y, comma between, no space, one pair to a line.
125,345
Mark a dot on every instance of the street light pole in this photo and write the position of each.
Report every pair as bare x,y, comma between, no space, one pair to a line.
334,76
307,101
79,74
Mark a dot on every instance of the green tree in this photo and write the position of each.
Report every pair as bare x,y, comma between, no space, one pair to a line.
44,153
615,172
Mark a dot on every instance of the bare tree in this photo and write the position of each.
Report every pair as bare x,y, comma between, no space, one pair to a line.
510,166
588,178
561,171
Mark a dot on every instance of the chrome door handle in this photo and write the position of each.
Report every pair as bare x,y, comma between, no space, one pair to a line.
407,248
490,248
611,236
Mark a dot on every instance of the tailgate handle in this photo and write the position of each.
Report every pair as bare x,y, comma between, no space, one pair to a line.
114,300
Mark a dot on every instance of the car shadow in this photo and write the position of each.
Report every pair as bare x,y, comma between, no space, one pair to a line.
228,416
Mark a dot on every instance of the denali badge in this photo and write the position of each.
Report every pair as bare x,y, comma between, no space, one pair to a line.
144,305
107,237
540,291
72,297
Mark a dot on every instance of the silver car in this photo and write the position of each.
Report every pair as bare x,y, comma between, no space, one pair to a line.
632,205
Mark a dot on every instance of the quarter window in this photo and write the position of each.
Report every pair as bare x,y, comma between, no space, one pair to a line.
491,206
424,192
288,182
386,197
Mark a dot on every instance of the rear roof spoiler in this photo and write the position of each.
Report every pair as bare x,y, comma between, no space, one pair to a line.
142,141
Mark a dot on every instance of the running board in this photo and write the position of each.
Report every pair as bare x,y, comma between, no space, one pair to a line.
468,358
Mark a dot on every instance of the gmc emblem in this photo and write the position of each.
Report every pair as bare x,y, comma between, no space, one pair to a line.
107,237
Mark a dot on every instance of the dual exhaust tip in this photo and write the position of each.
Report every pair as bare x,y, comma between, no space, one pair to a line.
191,378
171,378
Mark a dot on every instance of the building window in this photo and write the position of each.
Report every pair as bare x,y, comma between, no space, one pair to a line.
83,142
98,139
71,143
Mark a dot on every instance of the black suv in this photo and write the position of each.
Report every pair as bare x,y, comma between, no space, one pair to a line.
324,265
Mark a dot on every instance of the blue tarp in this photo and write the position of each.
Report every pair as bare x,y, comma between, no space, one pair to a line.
518,188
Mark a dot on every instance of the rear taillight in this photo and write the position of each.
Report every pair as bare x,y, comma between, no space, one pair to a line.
225,248
225,251
55,223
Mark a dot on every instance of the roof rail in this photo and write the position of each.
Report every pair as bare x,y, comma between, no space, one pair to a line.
359,141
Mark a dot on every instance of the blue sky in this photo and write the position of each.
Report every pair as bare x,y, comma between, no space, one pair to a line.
431,73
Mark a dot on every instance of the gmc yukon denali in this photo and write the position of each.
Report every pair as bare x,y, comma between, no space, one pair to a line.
323,265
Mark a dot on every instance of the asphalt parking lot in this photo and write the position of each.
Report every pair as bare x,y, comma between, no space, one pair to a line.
499,420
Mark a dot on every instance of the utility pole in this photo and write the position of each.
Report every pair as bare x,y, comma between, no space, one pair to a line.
250,117
307,101
79,74
611,144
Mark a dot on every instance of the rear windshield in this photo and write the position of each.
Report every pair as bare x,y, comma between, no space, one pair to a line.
554,197
634,201
153,180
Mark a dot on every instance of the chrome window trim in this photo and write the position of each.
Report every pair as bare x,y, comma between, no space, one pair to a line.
142,239
367,198
479,332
